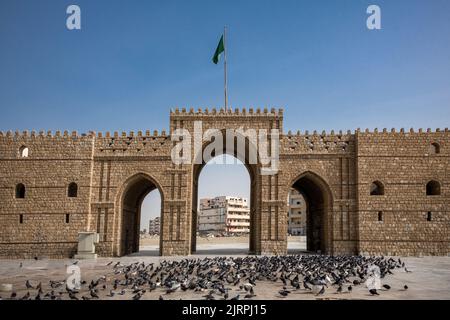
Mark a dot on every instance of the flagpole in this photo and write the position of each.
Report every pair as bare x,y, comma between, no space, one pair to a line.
225,67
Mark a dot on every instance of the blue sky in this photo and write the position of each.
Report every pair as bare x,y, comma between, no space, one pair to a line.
132,61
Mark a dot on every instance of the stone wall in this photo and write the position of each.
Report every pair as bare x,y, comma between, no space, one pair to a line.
53,163
115,171
402,161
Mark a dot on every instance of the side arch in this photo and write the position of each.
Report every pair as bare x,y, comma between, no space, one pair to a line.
319,198
128,203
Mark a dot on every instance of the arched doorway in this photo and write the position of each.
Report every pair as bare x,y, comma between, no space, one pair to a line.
243,156
317,196
223,223
296,221
135,191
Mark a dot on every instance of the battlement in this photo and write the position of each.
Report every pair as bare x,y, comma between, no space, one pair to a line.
358,131
45,134
265,112
18,135
401,131
131,143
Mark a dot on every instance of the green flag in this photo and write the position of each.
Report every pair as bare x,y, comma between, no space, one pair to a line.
219,50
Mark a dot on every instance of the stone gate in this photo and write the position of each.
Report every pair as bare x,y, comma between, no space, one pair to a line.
367,192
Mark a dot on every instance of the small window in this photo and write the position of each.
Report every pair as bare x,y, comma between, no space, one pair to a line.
429,216
20,191
435,148
380,215
376,189
21,218
23,152
433,188
72,190
67,218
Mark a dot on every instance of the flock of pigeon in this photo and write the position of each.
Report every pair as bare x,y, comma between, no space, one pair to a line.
224,278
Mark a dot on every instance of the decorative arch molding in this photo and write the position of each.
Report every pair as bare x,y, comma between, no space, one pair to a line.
254,171
319,198
128,201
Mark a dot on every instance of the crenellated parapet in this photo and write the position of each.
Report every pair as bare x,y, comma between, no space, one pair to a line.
46,145
403,142
183,113
385,141
30,135
317,142
133,143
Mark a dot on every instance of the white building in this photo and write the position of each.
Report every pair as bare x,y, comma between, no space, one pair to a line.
154,226
296,213
223,215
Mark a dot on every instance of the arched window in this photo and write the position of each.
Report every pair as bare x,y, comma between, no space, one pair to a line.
20,191
376,189
23,152
380,216
435,148
433,188
72,190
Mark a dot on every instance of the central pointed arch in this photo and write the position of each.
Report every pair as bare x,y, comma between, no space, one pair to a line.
245,156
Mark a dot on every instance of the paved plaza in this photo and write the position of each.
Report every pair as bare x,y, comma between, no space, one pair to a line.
429,277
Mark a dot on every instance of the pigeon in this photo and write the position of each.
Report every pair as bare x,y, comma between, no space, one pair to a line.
138,295
305,284
211,275
405,287
26,296
374,292
322,291
210,295
284,293
386,286
28,285
93,294
72,296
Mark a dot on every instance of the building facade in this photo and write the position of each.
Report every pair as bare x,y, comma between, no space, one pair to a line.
224,215
154,226
367,192
296,214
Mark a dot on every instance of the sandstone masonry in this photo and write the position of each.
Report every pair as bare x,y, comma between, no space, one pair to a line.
407,172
